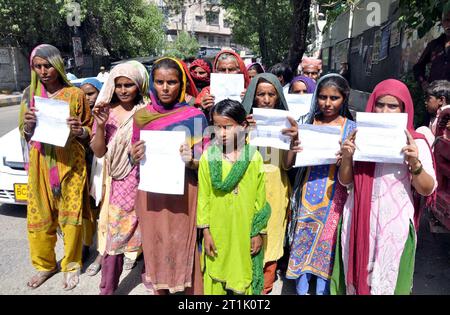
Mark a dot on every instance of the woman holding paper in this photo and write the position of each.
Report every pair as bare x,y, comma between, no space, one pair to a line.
167,221
318,198
265,91
119,99
227,62
56,175
377,242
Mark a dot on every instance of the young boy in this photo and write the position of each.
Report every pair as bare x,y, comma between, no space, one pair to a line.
437,101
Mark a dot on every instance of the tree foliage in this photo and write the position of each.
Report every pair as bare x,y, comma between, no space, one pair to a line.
184,46
427,13
262,25
121,28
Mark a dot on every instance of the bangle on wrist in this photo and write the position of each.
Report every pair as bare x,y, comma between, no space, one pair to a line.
418,170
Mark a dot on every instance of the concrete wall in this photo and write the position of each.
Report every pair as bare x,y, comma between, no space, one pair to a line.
14,69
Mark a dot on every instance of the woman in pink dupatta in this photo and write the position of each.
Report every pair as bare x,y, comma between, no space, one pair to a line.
168,222
381,217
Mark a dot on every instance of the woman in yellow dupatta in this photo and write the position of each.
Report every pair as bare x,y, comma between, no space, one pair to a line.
56,175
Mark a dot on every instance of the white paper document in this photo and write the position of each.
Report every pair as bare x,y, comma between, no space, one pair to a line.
380,137
162,169
51,126
269,123
96,180
298,104
320,145
225,86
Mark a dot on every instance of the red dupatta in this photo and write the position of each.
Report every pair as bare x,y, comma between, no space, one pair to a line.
357,275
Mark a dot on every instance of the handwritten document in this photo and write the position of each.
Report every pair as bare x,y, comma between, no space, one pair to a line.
269,123
320,145
225,86
162,169
298,104
380,137
51,126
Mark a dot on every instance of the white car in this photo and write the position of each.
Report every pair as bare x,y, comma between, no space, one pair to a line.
13,177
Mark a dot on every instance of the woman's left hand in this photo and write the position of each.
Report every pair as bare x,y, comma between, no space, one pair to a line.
257,242
411,152
75,126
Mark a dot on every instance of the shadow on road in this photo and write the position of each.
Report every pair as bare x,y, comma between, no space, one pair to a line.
17,211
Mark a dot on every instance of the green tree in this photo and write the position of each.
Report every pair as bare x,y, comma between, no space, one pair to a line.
426,14
262,25
183,47
27,23
120,28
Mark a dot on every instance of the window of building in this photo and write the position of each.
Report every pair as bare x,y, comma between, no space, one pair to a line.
198,18
226,23
212,18
211,39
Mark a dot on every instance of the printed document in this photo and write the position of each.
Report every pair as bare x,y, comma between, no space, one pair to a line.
320,145
51,126
162,169
380,137
269,123
225,86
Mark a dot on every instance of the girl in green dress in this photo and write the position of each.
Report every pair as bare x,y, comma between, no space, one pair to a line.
232,210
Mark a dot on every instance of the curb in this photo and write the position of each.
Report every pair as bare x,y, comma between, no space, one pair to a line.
10,101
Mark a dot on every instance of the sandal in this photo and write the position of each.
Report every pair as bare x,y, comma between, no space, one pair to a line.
128,264
71,280
93,269
40,277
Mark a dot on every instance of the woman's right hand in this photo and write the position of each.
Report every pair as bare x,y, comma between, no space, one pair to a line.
137,151
101,113
30,120
292,132
210,247
348,147
207,101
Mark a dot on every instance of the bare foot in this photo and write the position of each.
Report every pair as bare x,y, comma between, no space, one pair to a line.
40,277
71,280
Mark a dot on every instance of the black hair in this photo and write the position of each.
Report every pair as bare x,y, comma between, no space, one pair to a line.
167,63
257,67
282,70
262,80
231,109
341,84
439,88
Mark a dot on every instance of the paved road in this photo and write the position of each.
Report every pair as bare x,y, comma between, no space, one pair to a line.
432,275
9,117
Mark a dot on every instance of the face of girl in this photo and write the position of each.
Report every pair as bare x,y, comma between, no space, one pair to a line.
298,88
433,103
91,93
45,71
226,130
330,101
266,95
125,90
388,104
228,66
200,72
167,85
252,73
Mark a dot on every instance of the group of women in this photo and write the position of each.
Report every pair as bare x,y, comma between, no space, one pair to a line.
350,225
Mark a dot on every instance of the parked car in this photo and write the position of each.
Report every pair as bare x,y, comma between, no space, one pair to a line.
13,177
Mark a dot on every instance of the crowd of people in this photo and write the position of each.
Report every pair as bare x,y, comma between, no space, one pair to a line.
246,212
